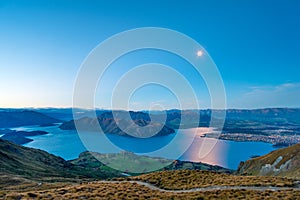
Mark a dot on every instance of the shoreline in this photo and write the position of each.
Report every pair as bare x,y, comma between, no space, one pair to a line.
277,141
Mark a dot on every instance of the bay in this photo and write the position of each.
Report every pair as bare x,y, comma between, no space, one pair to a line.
184,145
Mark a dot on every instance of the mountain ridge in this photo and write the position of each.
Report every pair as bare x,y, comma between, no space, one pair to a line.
23,164
139,125
18,118
281,162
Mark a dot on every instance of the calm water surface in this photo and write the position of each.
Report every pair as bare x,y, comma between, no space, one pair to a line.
68,145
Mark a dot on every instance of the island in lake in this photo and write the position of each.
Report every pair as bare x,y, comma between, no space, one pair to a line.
139,125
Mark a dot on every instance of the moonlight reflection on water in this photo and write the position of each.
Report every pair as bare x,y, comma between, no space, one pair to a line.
68,145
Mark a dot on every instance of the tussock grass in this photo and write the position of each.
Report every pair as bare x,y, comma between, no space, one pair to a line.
175,180
188,179
291,154
126,190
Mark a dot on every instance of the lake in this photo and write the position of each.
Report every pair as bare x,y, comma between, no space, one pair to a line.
184,145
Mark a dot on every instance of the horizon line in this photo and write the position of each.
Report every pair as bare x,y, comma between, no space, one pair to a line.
36,108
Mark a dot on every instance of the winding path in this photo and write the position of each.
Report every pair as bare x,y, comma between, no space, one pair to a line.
211,188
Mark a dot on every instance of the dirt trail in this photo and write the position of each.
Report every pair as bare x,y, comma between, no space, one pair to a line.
211,188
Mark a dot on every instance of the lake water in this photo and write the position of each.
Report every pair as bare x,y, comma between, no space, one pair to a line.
184,145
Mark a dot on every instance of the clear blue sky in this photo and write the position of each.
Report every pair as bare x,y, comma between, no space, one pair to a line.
254,43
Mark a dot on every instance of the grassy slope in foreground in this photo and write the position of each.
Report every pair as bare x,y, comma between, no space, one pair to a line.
282,162
189,179
24,164
182,179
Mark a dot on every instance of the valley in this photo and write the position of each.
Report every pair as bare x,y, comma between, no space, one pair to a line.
28,173
81,178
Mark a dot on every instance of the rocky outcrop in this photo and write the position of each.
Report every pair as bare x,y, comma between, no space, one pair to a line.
282,162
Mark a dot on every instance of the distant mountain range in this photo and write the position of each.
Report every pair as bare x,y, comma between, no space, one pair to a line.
259,122
282,113
16,118
65,114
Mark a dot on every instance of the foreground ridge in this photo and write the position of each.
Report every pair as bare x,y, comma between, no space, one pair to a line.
143,190
205,189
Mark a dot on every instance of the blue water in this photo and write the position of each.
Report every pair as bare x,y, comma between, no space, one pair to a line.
184,145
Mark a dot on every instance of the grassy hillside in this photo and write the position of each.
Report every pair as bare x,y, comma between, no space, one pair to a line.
282,162
27,173
189,179
138,164
29,162
24,163
131,190
124,160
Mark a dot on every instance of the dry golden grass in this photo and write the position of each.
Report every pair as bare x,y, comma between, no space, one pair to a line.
126,190
188,179
175,180
291,154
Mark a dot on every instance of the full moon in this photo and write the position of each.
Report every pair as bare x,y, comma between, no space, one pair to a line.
199,53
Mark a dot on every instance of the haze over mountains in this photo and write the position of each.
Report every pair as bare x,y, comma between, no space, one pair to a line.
260,123
279,126
63,113
14,118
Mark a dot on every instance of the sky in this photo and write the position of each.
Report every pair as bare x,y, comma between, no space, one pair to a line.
255,45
